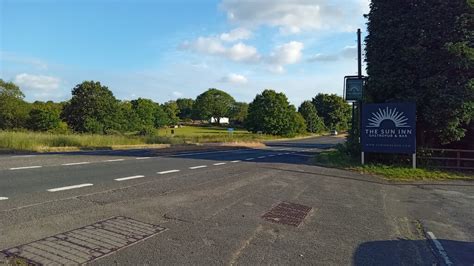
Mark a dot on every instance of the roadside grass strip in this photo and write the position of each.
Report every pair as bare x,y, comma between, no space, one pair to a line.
69,187
168,172
129,178
26,167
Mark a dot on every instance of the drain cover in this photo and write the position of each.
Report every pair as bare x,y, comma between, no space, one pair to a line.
287,213
84,244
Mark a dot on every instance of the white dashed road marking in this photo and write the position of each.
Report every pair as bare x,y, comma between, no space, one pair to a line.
219,163
26,167
261,157
23,156
168,172
249,159
197,167
142,158
280,154
115,160
129,177
236,161
442,252
79,163
69,187
271,155
3,198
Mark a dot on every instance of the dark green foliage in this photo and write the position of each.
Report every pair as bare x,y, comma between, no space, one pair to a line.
185,107
213,103
336,113
271,113
238,113
92,108
145,111
13,110
45,116
171,110
422,51
314,123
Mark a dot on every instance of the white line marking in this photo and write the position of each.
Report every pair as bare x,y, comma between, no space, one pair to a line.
249,159
142,158
280,154
80,163
211,152
219,163
440,248
115,160
197,167
271,155
168,172
129,177
236,161
261,157
286,153
26,167
3,198
23,156
69,187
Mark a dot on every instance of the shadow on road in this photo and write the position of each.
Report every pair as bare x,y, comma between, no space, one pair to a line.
413,252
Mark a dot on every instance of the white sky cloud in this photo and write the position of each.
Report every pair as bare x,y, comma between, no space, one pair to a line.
236,35
37,82
239,52
234,78
177,94
294,16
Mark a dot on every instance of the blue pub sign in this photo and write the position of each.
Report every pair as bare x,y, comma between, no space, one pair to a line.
389,128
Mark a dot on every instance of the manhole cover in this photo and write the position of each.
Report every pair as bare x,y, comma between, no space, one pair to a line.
84,244
287,213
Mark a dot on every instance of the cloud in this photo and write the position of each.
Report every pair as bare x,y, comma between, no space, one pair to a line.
37,82
213,46
349,52
323,58
294,16
235,35
288,53
23,60
177,94
234,78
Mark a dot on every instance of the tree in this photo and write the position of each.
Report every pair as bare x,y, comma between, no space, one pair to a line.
171,110
423,51
334,111
314,123
13,109
185,107
213,103
238,112
92,108
145,110
45,116
271,113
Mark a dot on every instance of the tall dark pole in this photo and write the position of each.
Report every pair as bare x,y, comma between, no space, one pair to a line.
359,53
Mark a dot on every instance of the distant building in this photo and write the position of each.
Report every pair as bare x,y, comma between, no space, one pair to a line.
223,120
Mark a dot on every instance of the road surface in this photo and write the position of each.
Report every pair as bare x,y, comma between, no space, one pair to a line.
208,208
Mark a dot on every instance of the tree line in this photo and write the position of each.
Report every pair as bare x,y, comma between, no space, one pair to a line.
94,109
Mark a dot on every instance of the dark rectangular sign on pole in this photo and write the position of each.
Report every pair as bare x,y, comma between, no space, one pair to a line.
389,128
354,88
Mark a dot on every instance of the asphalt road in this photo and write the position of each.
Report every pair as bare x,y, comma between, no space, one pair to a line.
211,204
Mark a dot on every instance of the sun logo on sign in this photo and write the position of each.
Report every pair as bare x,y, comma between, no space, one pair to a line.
398,118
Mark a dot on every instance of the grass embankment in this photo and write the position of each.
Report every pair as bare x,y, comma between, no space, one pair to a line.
41,142
338,159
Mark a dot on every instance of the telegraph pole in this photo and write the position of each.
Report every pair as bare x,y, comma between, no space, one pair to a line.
359,103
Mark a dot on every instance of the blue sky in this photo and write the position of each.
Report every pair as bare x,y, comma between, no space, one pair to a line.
168,49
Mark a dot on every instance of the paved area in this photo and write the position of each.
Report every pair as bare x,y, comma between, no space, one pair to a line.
212,202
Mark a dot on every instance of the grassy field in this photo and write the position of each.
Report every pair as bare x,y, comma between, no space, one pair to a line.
36,141
337,159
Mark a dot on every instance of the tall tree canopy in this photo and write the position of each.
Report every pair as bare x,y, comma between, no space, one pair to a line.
213,103
45,116
92,108
335,112
271,113
13,110
238,112
423,51
185,107
314,123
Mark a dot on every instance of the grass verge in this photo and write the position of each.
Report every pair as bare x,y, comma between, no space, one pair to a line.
338,159
43,142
